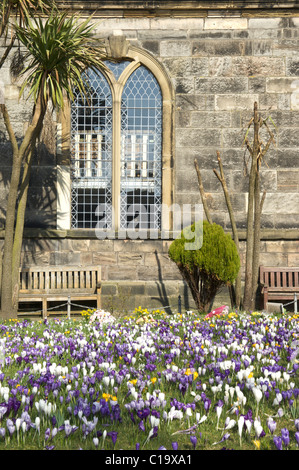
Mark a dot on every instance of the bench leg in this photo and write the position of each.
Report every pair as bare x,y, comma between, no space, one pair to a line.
44,308
265,298
99,299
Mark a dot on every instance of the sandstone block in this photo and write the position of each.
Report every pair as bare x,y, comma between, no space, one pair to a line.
152,46
184,85
107,25
175,48
281,85
221,85
225,23
148,273
177,23
288,180
264,23
292,66
104,258
157,259
283,203
124,273
293,258
287,221
108,288
235,102
191,102
221,66
257,85
187,67
282,246
209,119
138,246
259,66
273,259
263,47
221,48
288,137
199,138
130,258
232,138
12,92
161,288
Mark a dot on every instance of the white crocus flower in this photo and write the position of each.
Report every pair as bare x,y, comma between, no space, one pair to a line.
241,421
248,424
258,394
218,412
258,427
37,424
229,423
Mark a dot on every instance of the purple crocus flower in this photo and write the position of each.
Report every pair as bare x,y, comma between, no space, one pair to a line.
113,435
285,436
141,426
278,442
175,445
207,404
47,433
193,440
271,425
10,426
297,437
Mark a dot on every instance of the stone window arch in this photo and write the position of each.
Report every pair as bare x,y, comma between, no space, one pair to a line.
131,62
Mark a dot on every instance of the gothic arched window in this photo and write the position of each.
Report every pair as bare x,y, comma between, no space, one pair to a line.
116,150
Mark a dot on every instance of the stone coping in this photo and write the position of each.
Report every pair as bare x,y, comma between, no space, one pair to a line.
278,234
178,7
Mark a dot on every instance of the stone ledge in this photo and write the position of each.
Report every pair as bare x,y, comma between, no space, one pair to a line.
269,234
177,7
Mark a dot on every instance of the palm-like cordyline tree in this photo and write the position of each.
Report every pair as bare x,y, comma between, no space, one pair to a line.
59,50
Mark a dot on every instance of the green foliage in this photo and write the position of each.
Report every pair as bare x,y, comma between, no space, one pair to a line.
217,257
215,264
20,10
59,51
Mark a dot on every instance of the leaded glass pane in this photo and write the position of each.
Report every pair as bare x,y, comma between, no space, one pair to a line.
117,67
141,142
91,153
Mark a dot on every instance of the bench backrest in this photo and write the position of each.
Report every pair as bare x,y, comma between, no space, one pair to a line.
279,278
59,278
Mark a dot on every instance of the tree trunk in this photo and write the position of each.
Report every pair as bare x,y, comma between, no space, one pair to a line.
6,284
12,251
247,303
19,229
7,261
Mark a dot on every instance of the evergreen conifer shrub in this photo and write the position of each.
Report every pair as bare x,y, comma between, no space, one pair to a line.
215,264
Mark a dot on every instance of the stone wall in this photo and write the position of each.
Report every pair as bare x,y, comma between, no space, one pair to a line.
218,67
138,272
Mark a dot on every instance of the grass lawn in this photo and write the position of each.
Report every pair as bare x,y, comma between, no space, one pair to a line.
150,381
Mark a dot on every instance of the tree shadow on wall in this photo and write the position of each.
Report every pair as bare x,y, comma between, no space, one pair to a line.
41,206
163,296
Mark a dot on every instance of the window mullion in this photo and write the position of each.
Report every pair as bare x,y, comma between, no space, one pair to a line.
116,133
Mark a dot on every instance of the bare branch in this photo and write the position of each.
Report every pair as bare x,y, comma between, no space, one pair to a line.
9,128
202,192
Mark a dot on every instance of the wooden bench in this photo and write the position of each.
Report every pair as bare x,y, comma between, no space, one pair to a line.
59,283
279,283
